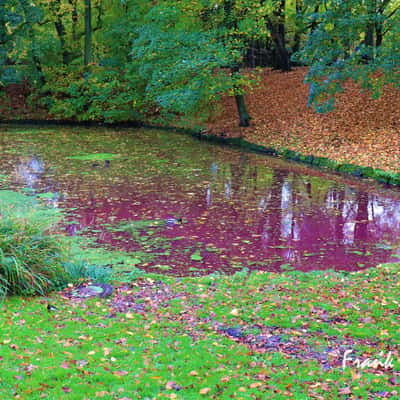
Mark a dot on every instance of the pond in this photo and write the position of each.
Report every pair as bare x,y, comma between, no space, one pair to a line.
184,206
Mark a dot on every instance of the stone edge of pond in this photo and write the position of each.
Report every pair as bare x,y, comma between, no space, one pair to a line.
358,171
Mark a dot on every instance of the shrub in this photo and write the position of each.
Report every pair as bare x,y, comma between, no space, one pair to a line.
30,259
34,259
30,255
78,271
103,94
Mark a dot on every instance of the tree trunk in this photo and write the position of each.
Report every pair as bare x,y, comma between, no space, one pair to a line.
276,25
3,39
230,23
55,9
314,23
74,19
299,29
296,42
282,58
379,26
3,36
88,32
379,36
370,32
61,36
369,36
244,118
36,60
3,32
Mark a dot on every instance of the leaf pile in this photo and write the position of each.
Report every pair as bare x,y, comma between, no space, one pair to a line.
361,130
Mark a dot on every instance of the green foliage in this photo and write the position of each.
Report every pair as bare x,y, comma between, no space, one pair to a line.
103,94
150,62
35,260
162,62
93,157
180,65
9,21
30,257
343,46
81,271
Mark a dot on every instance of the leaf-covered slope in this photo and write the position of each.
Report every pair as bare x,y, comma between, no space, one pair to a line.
360,131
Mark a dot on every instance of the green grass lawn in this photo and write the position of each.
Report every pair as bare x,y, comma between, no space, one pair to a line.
247,336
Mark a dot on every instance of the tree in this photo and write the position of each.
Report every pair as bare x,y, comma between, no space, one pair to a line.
3,37
32,15
277,26
16,28
230,23
347,43
184,68
88,32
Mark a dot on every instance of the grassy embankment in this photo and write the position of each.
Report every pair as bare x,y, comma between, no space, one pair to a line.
254,336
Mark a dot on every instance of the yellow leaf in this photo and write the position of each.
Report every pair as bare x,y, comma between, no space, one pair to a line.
107,351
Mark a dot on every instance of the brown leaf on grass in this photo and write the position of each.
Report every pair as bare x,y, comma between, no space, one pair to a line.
171,385
102,393
65,365
120,373
345,390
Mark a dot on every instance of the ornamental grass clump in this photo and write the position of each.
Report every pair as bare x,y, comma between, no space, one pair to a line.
31,255
30,258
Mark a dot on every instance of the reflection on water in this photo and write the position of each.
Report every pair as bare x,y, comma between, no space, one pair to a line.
29,171
238,209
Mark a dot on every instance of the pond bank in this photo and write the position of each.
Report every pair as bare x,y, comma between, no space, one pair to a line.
246,336
358,171
360,137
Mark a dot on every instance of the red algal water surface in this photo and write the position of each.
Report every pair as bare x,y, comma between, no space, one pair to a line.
193,207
